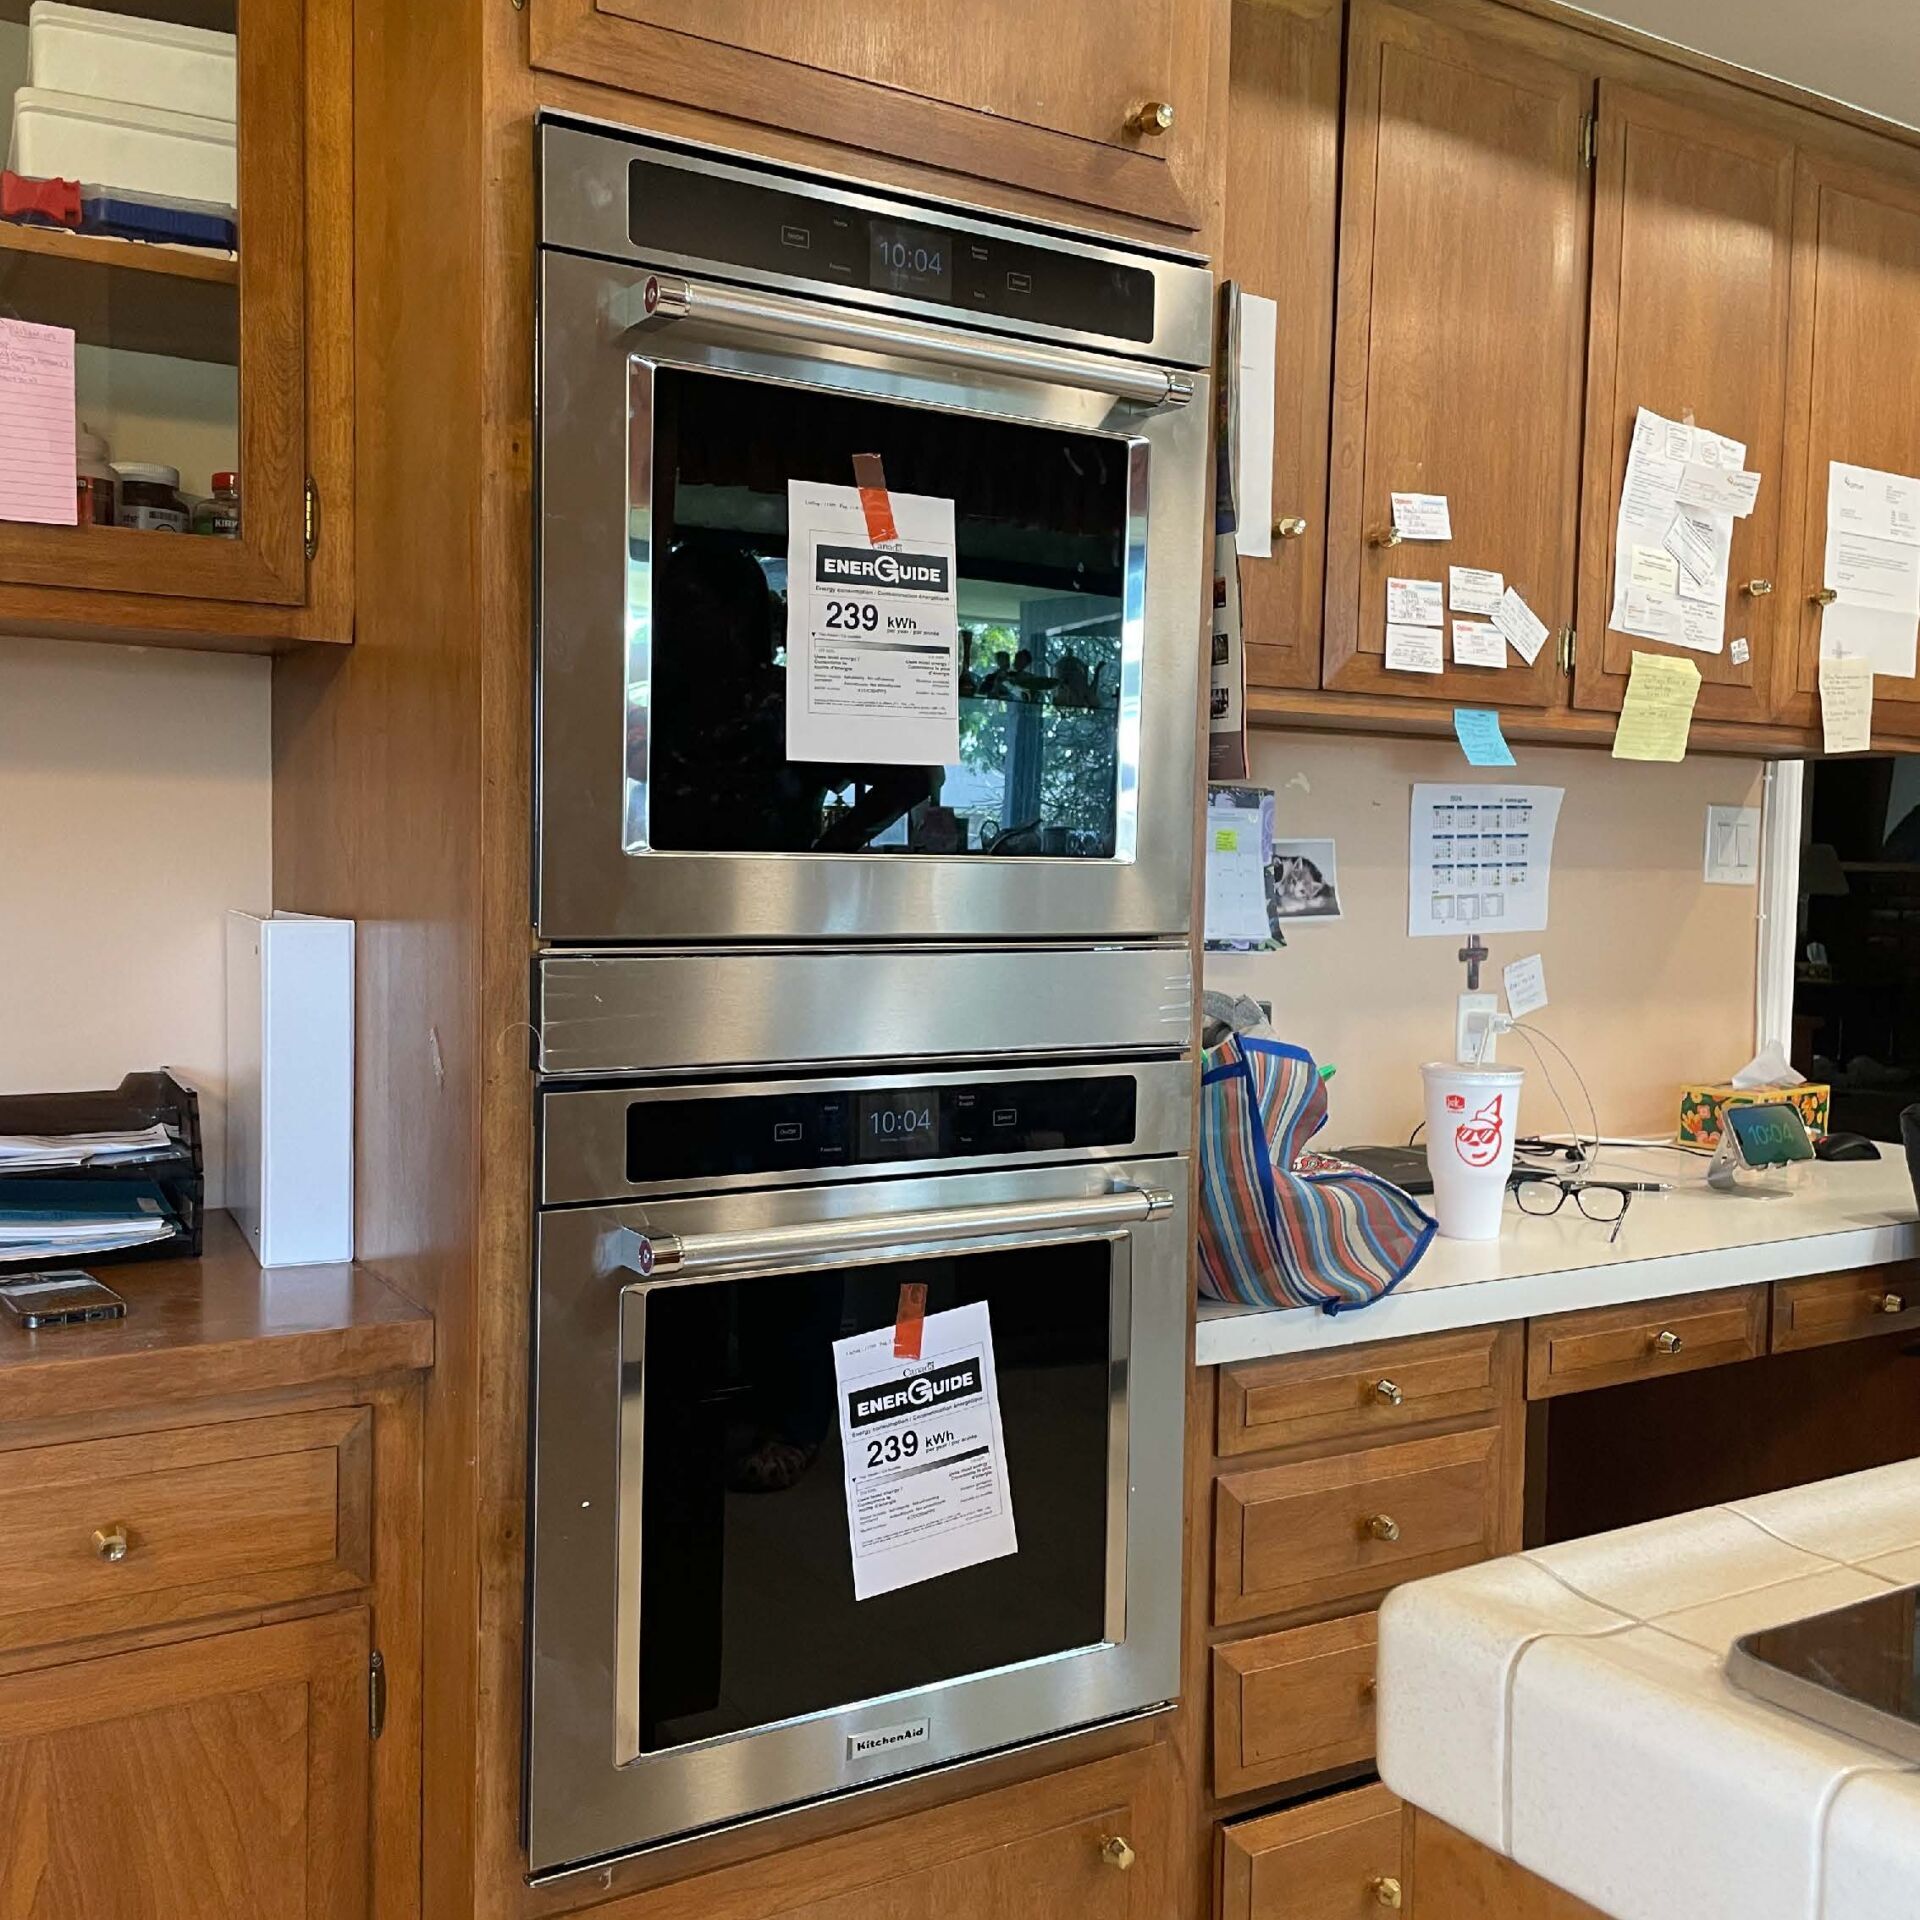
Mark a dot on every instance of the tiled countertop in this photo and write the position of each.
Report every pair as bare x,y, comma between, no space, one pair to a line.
1569,1708
1844,1215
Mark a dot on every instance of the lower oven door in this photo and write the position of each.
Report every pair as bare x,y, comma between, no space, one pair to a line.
697,1653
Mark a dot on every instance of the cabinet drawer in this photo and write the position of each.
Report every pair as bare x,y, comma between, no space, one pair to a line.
1340,1858
99,1536
1322,1530
1287,1705
1569,1352
1831,1307
1356,1393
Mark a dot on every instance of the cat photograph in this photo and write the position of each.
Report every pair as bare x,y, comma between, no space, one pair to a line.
1302,882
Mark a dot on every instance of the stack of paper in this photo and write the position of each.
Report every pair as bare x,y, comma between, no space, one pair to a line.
1684,489
1873,568
25,1152
46,1218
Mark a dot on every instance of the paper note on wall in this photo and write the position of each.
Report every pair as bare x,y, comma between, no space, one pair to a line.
1480,856
1253,417
1416,603
1872,569
1474,589
1658,712
1526,984
1478,643
1422,516
1846,705
1481,740
1414,649
1526,632
37,424
1238,838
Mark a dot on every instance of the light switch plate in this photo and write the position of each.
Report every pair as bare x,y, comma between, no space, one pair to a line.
1733,846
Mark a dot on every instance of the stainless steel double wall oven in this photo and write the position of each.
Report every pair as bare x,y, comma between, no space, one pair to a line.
808,1032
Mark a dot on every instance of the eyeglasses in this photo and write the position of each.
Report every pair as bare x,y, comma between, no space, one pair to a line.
1542,1194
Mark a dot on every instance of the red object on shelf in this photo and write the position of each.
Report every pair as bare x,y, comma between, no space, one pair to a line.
47,203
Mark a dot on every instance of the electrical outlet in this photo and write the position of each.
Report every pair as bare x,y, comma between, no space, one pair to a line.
1473,1038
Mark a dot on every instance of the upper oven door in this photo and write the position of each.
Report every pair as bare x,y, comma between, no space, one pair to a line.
668,809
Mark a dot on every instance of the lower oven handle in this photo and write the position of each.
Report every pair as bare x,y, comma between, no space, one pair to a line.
664,297
671,1254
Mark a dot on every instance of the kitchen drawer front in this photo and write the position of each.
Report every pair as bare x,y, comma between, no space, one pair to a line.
1323,1530
1338,1858
1831,1307
1358,1393
1605,1346
1292,1704
101,1536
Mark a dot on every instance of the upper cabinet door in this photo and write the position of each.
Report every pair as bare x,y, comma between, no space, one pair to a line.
1283,169
1460,342
1098,101
1692,269
1857,373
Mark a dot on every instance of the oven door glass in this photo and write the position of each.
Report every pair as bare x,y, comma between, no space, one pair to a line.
1050,527
747,1613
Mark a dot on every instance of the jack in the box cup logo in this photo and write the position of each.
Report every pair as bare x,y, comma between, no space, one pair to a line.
1477,1139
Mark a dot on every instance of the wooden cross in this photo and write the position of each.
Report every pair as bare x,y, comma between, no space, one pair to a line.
1473,953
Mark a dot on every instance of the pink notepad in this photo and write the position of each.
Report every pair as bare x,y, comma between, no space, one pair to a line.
36,424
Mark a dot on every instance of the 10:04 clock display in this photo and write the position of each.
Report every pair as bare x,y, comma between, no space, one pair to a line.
913,260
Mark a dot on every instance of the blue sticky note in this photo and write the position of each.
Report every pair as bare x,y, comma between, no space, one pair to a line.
1480,737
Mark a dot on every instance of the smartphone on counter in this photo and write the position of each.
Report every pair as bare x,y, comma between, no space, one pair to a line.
58,1297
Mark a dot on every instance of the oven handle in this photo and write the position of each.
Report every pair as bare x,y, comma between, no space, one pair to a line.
671,1254
662,298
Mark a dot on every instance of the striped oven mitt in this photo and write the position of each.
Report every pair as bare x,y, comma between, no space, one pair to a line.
1273,1237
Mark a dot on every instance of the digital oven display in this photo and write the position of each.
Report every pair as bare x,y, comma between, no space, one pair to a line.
913,260
898,1124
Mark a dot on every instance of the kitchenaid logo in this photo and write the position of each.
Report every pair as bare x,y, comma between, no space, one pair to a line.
862,567
911,1733
958,1380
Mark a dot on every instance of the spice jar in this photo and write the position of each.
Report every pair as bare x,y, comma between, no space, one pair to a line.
220,515
150,497
95,478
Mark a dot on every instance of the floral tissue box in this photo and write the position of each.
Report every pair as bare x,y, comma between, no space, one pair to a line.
1701,1108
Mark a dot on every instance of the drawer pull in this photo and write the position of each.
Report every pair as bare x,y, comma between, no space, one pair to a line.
1665,1341
1386,1891
110,1541
1116,1853
1388,537
1889,1303
1152,119
1388,1393
1823,597
1291,526
1759,589
1370,1688
1382,1526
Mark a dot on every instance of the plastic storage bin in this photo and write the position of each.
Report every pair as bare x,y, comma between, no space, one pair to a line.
145,63
73,136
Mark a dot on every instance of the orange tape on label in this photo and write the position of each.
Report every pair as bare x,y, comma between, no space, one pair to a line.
870,476
909,1319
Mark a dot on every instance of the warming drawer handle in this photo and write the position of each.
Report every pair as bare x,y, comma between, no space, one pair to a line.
668,1255
663,298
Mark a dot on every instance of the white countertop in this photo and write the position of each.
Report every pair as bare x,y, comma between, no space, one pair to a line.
1845,1214
1569,1709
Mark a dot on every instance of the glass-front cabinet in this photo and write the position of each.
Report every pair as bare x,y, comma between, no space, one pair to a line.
175,319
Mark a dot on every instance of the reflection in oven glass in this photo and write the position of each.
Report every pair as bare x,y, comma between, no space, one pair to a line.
1041,524
747,1614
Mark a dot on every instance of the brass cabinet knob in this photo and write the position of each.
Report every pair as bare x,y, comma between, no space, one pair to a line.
1289,528
1116,1853
1383,1526
110,1541
1370,1688
1388,1393
1155,118
1889,1303
1665,1341
1386,1891
1823,597
1759,589
1388,537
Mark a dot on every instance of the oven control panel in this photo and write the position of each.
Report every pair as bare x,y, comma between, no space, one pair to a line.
761,225
713,1137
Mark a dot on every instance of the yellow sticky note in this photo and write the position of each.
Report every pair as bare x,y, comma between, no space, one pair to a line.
1226,839
1659,708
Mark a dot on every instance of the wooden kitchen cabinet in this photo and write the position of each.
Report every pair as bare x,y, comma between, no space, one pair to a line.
218,1779
1459,352
1692,268
1061,100
1343,1857
1856,295
1283,166
212,362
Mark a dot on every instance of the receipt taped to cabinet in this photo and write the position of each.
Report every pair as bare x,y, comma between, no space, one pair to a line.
922,1452
873,632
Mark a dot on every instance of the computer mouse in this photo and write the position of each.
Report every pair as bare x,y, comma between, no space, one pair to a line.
1845,1146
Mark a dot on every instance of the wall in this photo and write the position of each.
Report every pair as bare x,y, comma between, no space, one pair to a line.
135,809
1650,971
